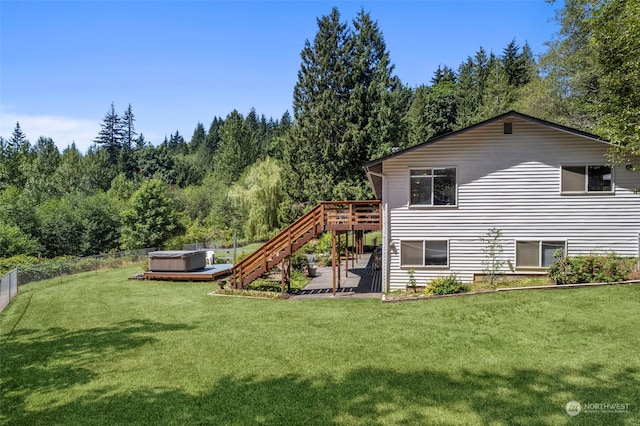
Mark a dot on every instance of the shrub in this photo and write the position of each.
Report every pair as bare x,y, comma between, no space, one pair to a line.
590,269
446,285
299,262
242,256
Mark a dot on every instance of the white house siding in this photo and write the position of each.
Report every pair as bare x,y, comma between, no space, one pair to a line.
510,182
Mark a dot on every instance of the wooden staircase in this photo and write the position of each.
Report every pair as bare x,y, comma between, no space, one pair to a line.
339,216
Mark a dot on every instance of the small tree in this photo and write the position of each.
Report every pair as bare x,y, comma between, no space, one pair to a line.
492,263
151,218
412,280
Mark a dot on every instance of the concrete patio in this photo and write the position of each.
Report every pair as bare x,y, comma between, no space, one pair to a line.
363,280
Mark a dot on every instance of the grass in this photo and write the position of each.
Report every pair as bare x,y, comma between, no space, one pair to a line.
98,349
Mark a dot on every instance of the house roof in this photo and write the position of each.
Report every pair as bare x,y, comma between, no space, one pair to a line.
368,166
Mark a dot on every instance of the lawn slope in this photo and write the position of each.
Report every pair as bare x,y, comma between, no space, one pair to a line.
96,348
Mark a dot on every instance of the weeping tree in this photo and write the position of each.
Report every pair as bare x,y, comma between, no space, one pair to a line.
258,195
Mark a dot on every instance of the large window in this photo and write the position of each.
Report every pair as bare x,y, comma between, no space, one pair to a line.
424,253
433,187
586,179
537,254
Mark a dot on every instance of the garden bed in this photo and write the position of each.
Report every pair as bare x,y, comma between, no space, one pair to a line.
410,295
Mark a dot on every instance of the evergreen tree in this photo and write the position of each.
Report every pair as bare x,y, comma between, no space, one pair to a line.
111,135
177,145
128,129
16,158
433,111
199,137
18,142
510,62
499,94
443,75
238,148
371,77
319,101
156,163
126,159
468,101
342,81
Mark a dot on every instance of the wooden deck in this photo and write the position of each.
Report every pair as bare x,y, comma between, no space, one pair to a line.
339,217
209,273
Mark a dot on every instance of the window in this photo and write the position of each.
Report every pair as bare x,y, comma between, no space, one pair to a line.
424,253
586,179
537,254
433,187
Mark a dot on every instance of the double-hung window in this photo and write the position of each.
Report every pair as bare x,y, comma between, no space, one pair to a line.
590,179
537,254
433,187
424,253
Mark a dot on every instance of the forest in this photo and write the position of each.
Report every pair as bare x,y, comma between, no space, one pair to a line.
252,175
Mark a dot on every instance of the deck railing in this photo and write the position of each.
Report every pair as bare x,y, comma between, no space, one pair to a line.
329,215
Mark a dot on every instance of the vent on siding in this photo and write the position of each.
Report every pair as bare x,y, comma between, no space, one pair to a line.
508,128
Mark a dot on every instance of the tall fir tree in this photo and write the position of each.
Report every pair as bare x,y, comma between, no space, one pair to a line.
238,148
17,157
126,159
198,138
111,135
344,76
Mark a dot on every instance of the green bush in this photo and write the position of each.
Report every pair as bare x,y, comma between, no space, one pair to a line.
299,262
591,269
446,285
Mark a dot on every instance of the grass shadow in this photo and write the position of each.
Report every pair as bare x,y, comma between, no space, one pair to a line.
56,359
364,396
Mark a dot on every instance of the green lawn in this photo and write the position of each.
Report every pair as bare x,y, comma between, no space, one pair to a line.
98,349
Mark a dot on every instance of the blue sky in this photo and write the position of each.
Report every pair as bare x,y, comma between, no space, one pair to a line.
178,63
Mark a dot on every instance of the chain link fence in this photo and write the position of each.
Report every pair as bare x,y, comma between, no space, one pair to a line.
8,288
42,271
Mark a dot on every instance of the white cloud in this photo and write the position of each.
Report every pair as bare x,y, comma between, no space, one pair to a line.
63,130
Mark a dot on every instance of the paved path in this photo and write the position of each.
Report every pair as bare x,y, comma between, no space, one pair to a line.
362,281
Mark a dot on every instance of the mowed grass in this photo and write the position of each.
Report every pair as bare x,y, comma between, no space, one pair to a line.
98,349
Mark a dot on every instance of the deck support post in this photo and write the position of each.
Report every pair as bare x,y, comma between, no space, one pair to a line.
333,259
282,279
354,248
346,254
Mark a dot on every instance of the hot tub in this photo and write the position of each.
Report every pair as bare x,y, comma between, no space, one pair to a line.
176,261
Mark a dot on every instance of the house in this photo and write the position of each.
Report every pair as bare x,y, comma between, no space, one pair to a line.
542,185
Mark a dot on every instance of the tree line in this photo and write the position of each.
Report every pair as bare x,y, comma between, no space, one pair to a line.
254,175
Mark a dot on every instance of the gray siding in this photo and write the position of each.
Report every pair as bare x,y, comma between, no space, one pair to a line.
510,182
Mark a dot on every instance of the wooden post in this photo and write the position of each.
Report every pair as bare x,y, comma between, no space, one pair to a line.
355,249
346,255
333,259
338,260
282,275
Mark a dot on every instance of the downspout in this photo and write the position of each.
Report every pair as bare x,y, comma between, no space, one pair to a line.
386,241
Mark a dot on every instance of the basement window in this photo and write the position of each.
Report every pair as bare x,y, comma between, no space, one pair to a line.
419,253
537,254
